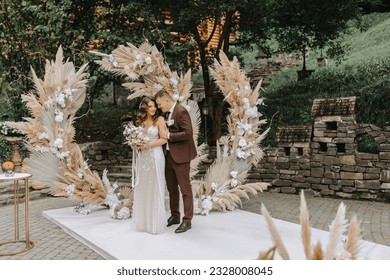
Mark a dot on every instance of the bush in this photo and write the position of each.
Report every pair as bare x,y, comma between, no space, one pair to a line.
5,150
367,144
368,81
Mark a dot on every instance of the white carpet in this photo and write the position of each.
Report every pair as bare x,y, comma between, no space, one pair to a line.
236,235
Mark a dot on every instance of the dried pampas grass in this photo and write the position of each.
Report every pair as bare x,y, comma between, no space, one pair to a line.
335,249
56,161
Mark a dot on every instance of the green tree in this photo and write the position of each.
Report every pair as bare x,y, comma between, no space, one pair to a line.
189,19
300,24
31,31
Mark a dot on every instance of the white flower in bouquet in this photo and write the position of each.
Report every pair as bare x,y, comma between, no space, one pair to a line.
80,173
70,189
124,213
69,93
246,103
197,209
148,60
252,112
61,100
240,153
59,115
260,101
135,135
62,155
214,186
49,102
241,132
58,143
175,97
43,135
207,205
242,142
113,60
234,183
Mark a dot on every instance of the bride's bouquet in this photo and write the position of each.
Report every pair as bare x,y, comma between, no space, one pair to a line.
135,135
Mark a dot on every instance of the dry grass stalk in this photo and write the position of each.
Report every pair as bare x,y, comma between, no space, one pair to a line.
349,250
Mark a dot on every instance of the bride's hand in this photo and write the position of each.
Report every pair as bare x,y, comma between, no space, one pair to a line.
143,147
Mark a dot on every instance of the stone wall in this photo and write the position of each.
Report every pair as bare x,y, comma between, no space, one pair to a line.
334,166
329,164
104,155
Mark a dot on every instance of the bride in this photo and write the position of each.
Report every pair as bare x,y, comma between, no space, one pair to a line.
149,209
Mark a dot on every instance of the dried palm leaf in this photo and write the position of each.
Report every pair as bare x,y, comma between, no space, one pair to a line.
126,192
43,167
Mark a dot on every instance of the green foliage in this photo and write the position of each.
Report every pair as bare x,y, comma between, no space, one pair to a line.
5,150
103,123
312,23
367,144
32,31
365,73
368,80
372,42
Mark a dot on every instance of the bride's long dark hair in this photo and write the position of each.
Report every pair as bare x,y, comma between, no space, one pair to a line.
142,111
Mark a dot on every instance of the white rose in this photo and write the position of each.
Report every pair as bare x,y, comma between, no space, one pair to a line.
59,117
242,142
175,97
148,60
234,182
58,143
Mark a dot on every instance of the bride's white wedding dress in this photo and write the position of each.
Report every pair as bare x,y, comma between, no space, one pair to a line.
149,189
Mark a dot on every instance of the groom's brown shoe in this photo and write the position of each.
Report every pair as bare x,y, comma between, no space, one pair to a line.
183,227
173,221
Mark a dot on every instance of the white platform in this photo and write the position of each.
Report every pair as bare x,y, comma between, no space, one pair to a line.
236,235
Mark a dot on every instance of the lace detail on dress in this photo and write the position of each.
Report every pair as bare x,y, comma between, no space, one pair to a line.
149,189
146,157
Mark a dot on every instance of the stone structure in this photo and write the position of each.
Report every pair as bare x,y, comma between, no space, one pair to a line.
333,164
324,158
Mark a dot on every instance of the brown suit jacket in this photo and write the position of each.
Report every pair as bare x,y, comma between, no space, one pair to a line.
181,141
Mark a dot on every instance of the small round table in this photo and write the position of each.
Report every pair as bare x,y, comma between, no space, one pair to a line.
29,244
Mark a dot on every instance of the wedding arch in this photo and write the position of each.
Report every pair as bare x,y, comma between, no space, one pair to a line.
225,182
56,161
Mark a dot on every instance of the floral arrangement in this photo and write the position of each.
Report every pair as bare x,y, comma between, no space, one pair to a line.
56,161
224,184
214,191
119,200
135,135
338,248
244,120
147,62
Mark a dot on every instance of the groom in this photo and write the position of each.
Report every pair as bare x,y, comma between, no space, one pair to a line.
180,150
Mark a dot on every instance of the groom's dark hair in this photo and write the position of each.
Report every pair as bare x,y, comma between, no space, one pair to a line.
163,93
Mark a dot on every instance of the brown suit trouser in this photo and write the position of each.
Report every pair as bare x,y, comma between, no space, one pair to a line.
178,175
